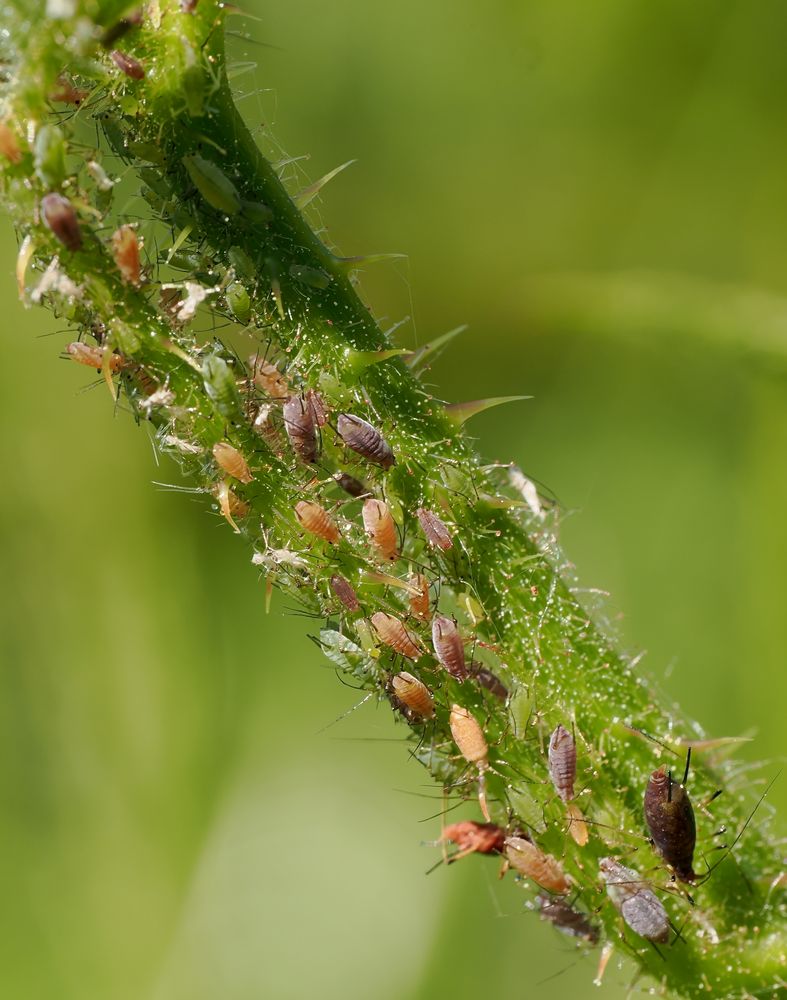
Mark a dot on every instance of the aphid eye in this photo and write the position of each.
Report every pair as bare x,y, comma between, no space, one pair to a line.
364,439
317,521
125,250
448,647
395,634
213,184
59,215
435,531
380,527
344,591
232,462
127,64
301,429
414,695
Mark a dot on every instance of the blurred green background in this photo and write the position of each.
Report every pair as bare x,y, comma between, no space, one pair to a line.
598,190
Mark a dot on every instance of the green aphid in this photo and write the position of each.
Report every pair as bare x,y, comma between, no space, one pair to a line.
240,261
346,654
193,81
213,184
256,212
238,301
220,386
50,157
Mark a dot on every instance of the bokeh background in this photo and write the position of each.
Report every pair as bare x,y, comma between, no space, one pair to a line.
598,191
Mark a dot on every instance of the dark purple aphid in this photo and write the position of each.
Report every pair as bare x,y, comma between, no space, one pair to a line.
354,487
127,64
563,762
60,216
437,534
670,818
364,439
344,591
301,428
636,902
488,680
566,919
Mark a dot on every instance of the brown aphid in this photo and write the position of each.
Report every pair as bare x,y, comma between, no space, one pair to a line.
469,738
230,504
419,596
127,64
352,486
60,216
394,633
380,527
66,93
489,680
670,818
566,919
474,838
437,534
317,521
639,906
344,591
364,439
266,376
301,428
125,250
563,762
94,357
231,460
9,144
448,646
545,870
415,697
319,409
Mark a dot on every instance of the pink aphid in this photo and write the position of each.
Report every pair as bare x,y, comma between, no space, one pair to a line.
448,646
435,531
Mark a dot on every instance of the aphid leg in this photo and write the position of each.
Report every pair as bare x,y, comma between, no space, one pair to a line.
603,961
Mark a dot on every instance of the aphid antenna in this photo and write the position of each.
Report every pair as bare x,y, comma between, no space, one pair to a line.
349,711
443,812
653,739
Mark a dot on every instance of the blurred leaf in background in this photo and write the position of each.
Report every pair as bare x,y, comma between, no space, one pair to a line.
598,191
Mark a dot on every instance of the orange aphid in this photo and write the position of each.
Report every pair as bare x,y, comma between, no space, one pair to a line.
419,596
317,521
231,460
395,634
9,144
475,838
231,506
380,528
414,695
469,737
267,377
93,357
546,871
125,250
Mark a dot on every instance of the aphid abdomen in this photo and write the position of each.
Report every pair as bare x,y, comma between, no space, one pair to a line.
317,521
414,695
471,837
395,634
301,428
566,919
435,531
61,217
344,591
125,250
670,819
232,462
448,646
545,870
419,596
318,407
563,762
636,902
364,439
380,528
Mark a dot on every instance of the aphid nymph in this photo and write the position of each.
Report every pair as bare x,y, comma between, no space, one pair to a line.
414,696
469,738
364,439
435,531
317,521
636,902
232,461
344,591
394,633
563,772
530,861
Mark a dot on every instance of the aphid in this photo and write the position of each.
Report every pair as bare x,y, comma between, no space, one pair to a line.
66,93
474,838
231,506
395,634
419,596
94,357
49,156
448,646
344,591
319,409
220,386
301,429
637,904
437,534
232,461
350,484
267,377
563,772
238,301
359,435
670,818
545,870
125,250
416,698
469,738
127,64
59,215
9,145
317,521
213,184
566,919
380,528
489,680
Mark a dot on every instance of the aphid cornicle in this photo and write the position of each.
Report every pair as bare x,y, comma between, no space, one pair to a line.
545,870
301,428
448,646
93,357
127,64
566,919
364,439
639,906
563,772
415,697
317,521
59,215
435,531
469,738
394,633
670,818
380,527
125,250
344,591
474,838
419,596
232,461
